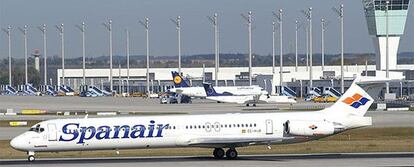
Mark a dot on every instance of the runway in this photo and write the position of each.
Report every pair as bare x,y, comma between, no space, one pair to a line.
271,160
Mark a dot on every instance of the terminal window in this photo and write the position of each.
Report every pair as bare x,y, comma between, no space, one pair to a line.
394,4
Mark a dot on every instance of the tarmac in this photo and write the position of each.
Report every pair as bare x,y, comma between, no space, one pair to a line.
130,104
272,160
151,106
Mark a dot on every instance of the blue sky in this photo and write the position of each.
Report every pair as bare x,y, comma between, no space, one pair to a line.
197,35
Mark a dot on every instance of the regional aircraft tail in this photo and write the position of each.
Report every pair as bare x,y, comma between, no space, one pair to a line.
211,92
356,100
179,81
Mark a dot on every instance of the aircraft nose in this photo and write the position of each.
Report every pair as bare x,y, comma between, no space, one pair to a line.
17,143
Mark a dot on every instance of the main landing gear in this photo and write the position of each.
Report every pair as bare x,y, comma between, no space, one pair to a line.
31,156
231,153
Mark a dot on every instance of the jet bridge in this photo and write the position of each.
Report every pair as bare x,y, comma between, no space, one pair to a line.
9,90
66,90
288,92
315,91
332,92
30,90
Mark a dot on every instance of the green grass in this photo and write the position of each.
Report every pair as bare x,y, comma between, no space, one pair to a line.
358,140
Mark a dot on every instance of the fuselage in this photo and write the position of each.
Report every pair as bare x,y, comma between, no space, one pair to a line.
236,90
253,99
161,131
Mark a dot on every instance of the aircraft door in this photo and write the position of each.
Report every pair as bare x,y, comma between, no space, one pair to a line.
52,131
269,127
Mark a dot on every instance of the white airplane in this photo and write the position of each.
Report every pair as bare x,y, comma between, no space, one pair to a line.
182,87
216,131
227,97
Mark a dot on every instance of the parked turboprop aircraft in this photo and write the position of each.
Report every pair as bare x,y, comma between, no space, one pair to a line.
216,131
182,86
227,97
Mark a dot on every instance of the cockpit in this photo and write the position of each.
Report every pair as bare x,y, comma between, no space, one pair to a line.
36,128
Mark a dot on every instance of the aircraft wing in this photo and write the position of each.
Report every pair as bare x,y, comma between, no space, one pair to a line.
226,141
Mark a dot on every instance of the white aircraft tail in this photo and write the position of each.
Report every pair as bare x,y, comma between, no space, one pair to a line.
357,100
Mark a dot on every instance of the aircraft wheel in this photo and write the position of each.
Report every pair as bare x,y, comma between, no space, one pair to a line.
218,153
254,105
31,158
231,153
247,105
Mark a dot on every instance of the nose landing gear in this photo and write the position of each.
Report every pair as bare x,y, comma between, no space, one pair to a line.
31,156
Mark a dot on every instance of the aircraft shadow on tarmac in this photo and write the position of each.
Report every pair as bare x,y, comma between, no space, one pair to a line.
275,158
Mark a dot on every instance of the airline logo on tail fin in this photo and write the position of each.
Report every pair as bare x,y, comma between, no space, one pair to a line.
356,100
178,80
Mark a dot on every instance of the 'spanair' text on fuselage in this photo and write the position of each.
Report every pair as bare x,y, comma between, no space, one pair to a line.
73,131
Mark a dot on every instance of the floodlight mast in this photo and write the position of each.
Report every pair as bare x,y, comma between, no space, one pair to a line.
280,21
43,30
127,54
248,18
82,29
387,70
308,15
305,28
146,26
24,31
340,13
324,24
214,21
273,48
62,43
296,45
177,23
323,44
8,32
109,27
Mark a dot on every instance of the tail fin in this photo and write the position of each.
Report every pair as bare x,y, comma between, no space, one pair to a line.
356,101
179,82
210,90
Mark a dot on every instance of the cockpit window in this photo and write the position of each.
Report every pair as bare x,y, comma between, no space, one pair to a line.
37,128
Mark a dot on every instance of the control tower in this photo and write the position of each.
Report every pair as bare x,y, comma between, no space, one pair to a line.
36,55
375,13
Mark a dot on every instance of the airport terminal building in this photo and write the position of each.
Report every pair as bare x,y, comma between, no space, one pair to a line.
160,79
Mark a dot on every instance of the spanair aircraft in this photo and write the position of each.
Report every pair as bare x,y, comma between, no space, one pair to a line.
182,86
227,97
216,131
